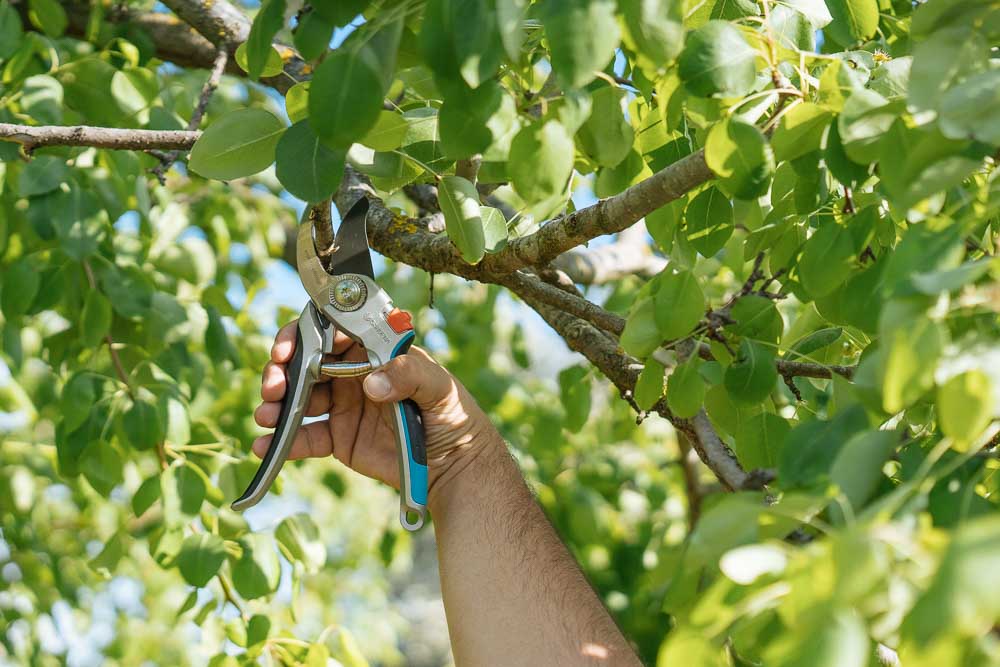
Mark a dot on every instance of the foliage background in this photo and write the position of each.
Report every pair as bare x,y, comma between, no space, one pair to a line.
820,177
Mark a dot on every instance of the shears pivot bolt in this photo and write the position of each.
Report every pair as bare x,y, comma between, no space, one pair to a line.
348,294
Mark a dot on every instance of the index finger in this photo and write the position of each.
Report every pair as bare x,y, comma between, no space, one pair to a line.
284,343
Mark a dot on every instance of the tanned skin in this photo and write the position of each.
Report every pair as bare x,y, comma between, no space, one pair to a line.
512,592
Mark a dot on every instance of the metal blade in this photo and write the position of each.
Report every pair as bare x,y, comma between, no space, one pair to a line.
351,253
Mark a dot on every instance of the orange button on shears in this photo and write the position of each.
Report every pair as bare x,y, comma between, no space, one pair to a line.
399,320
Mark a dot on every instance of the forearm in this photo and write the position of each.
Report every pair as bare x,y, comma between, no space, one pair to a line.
512,592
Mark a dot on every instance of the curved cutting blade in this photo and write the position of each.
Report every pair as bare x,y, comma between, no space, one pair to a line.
351,253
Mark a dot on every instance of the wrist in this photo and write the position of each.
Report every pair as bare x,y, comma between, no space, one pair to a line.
463,471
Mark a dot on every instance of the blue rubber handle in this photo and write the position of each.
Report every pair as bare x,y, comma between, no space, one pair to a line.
412,449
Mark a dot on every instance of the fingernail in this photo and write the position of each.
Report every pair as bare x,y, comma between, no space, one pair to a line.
377,385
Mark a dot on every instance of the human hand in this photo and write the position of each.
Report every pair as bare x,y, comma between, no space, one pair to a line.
359,431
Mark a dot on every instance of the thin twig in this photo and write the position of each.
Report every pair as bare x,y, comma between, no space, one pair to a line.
214,77
115,359
32,137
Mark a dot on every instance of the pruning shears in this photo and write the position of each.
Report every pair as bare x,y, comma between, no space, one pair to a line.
344,296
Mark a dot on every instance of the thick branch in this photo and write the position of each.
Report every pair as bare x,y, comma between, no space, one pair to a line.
177,42
218,21
226,26
716,454
98,137
605,217
522,283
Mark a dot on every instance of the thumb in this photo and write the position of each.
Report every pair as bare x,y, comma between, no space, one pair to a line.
414,375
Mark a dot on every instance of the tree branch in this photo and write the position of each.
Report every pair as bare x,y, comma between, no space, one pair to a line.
716,454
526,283
226,26
32,137
605,217
214,77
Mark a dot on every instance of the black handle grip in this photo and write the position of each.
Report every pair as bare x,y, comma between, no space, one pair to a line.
300,376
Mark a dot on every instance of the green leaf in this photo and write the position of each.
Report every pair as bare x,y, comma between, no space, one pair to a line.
843,168
20,285
76,400
147,494
10,30
510,25
462,217
684,646
388,132
143,425
839,640
663,223
800,131
273,66
257,571
751,378
864,122
217,342
630,171
960,599
266,24
814,342
312,35
641,335
473,121
718,61
686,389
760,442
102,465
494,228
41,95
853,20
183,493
574,393
95,321
911,355
827,259
606,136
649,386
48,16
297,101
583,36
105,563
740,156
299,535
134,89
941,61
811,447
949,280
857,469
345,99
757,317
654,30
239,144
709,218
969,110
43,174
258,629
680,304
340,12
965,405
308,169
541,160
200,558
460,42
